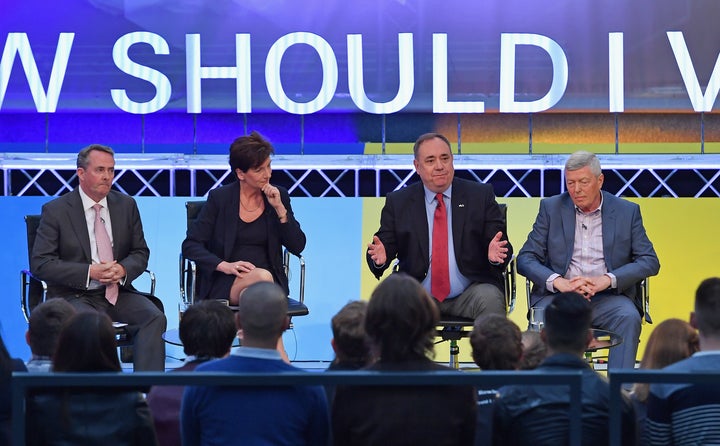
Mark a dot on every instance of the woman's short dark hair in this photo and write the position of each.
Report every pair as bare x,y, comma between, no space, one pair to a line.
87,344
249,151
207,329
401,319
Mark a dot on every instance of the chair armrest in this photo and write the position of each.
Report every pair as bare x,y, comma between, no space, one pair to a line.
645,295
31,287
510,276
188,277
286,267
153,281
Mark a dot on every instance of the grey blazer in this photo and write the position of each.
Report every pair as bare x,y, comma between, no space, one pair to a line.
629,254
61,253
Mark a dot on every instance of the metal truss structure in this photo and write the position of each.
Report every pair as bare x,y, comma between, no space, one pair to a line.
166,175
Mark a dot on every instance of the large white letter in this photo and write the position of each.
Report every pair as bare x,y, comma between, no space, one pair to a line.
700,102
355,76
507,73
19,43
163,89
240,72
616,78
440,82
329,69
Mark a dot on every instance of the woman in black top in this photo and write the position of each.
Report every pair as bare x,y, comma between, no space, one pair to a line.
238,237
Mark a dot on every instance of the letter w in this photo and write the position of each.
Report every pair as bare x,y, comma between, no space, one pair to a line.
18,43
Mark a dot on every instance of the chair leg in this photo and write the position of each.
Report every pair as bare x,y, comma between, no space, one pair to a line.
454,354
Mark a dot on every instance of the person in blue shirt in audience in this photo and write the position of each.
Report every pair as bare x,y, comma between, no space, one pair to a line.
256,415
686,413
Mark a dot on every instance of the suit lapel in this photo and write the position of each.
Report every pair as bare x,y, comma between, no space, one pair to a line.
418,220
568,227
76,217
230,215
458,204
608,217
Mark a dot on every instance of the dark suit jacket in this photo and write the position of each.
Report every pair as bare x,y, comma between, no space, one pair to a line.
211,238
628,252
476,218
61,253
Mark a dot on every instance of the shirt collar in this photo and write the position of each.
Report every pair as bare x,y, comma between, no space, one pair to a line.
88,202
258,353
706,353
430,195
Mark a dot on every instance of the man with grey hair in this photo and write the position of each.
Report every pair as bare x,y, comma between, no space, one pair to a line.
448,233
593,243
258,414
89,248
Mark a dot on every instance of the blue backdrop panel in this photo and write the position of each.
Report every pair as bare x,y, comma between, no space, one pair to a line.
332,226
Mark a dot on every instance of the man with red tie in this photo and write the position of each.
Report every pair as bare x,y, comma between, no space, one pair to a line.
446,232
89,248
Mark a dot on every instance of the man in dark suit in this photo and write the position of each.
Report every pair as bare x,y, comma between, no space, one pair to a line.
477,248
593,243
67,255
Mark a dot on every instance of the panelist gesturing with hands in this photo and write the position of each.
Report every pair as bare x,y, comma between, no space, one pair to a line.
238,237
446,232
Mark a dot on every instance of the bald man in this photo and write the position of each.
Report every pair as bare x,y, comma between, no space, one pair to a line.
242,415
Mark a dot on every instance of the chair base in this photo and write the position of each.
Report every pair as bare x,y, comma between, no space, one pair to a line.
453,329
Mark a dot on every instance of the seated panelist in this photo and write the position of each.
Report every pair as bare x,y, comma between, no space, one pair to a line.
238,237
446,232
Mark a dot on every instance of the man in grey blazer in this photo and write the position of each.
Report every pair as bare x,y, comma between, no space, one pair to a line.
593,243
66,255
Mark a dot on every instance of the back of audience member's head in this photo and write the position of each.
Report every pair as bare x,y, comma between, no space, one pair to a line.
262,315
207,329
44,325
534,350
496,343
671,341
87,344
350,341
401,319
706,317
567,323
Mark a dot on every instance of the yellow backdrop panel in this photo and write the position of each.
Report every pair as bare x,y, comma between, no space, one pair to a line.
682,230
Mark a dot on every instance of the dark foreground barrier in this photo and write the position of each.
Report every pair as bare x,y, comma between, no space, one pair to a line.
23,382
617,379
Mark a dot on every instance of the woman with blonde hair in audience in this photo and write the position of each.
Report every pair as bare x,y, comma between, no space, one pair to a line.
93,415
671,341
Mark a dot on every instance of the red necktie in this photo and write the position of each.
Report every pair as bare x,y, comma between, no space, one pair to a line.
440,275
104,247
